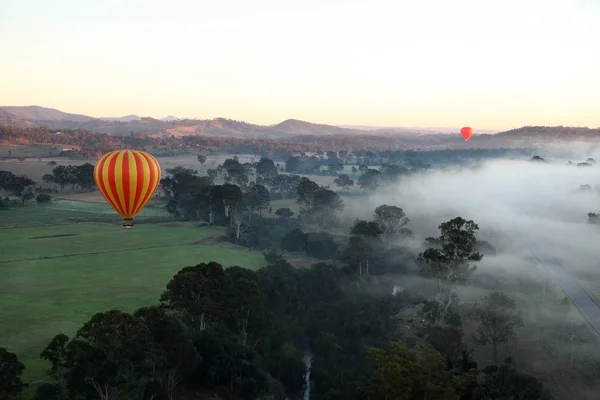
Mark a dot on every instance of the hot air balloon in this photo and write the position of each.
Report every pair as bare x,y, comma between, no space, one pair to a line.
127,179
466,132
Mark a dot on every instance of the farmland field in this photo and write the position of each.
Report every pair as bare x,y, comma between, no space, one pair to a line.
29,150
56,273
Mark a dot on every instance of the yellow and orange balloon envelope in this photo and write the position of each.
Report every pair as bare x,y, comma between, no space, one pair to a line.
466,132
127,179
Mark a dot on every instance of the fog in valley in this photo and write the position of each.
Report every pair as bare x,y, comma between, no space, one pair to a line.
514,202
534,213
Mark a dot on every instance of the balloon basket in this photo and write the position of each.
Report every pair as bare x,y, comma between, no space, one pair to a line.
128,225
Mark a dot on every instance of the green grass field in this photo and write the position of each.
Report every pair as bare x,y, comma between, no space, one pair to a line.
31,150
69,211
53,278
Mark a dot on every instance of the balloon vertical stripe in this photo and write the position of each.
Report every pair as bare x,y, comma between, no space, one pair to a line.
98,177
127,179
118,181
141,182
146,174
153,177
125,182
111,178
106,182
133,179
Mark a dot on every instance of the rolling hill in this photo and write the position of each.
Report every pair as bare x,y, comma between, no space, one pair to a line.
308,128
127,118
553,132
24,116
37,113
36,116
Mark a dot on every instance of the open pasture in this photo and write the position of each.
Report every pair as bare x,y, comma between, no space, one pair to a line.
64,211
35,168
55,277
27,150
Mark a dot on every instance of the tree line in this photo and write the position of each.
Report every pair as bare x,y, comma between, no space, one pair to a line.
388,148
81,176
25,189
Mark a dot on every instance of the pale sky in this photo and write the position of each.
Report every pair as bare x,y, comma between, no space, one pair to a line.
489,64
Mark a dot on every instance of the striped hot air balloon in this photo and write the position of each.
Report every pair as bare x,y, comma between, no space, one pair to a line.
127,179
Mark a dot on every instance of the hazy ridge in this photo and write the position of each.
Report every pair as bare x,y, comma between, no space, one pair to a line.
24,116
36,116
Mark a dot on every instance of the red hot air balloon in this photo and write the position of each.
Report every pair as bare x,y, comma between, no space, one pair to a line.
127,179
466,132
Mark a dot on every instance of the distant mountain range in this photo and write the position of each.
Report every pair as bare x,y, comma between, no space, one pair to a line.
30,116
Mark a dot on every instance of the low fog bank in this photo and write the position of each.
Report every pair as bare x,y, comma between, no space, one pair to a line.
563,151
528,202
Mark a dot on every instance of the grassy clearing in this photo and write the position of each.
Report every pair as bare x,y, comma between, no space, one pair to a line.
68,211
92,197
36,168
54,278
86,238
29,150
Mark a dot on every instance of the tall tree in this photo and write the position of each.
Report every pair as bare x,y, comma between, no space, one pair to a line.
111,355
343,181
84,176
318,204
177,181
284,185
505,382
370,180
240,228
244,304
498,318
292,164
224,197
305,194
363,244
450,257
56,353
236,172
63,175
17,185
449,260
265,168
173,354
11,370
196,292
391,172
391,221
257,199
401,373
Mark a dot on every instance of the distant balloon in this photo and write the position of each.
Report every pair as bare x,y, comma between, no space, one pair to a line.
466,132
127,179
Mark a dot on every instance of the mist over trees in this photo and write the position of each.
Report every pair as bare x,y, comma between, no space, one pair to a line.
245,334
